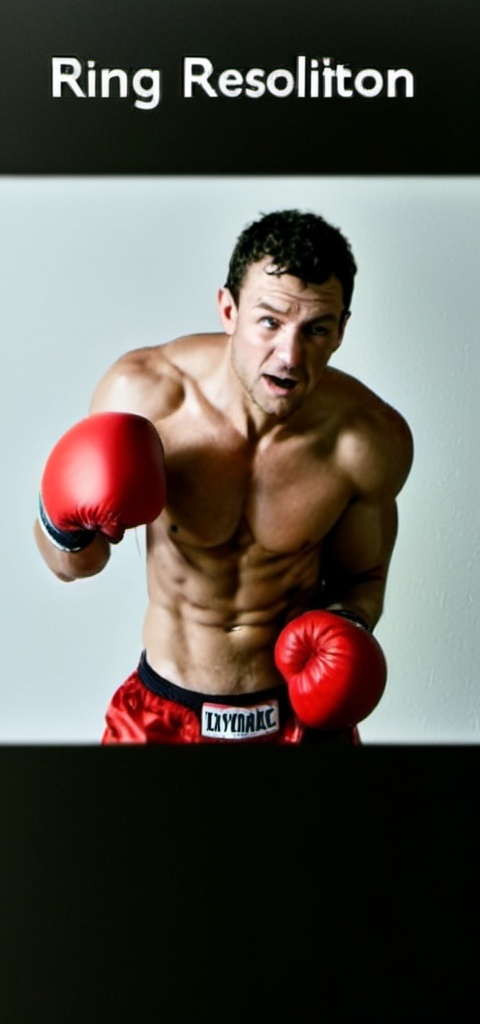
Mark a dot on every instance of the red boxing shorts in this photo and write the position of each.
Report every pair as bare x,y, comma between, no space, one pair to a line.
150,709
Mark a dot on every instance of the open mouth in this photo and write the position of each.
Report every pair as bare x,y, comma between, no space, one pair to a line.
280,383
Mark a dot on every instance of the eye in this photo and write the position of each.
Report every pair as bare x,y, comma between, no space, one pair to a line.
318,330
269,322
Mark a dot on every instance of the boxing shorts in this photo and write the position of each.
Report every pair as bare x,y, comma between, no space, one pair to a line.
151,709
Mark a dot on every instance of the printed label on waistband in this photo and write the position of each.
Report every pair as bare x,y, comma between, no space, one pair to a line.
226,723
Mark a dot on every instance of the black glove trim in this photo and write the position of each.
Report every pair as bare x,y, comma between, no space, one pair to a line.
65,540
352,616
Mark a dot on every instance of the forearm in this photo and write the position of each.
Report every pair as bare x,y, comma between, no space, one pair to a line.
362,595
69,566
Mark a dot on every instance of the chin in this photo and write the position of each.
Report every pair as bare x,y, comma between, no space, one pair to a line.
281,409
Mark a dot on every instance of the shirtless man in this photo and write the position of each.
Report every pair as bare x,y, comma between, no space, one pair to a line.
269,561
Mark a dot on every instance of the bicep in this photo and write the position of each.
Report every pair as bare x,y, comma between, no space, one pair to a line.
363,539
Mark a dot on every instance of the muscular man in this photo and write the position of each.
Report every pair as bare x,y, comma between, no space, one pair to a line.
268,564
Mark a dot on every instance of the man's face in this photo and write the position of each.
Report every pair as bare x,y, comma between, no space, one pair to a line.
283,333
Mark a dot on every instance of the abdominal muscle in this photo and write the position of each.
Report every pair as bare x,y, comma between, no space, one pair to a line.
214,613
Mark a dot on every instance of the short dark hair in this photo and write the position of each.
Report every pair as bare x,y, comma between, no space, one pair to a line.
301,244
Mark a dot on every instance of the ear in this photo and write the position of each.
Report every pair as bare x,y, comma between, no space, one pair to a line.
227,309
345,317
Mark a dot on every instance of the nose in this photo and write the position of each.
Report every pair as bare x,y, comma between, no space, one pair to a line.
289,348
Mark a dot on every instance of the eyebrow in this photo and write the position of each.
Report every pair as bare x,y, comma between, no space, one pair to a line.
283,312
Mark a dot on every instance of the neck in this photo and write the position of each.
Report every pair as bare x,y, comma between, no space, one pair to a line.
247,417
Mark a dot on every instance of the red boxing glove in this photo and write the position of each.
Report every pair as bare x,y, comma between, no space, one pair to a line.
334,668
106,474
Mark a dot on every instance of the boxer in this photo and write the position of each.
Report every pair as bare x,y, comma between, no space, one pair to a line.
267,481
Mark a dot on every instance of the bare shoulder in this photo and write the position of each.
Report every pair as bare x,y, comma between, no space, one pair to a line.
375,442
151,381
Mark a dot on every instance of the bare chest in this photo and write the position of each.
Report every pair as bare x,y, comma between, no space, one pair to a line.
221,490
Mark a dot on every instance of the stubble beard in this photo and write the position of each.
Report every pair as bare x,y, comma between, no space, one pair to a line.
279,407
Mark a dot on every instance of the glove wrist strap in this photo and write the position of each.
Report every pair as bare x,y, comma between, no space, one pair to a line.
353,617
65,540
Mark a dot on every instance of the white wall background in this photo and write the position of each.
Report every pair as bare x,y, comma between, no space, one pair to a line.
91,267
